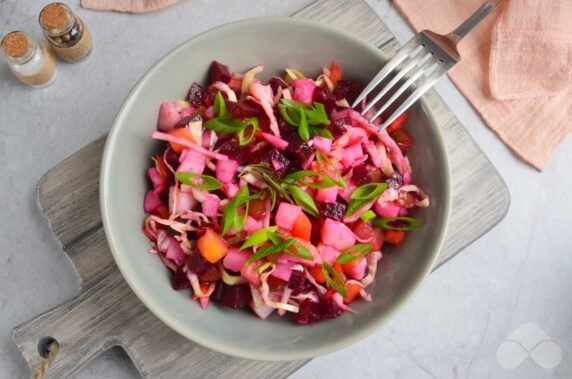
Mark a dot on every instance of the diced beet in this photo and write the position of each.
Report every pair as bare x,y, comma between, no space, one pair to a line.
274,155
233,150
325,97
296,282
309,312
196,95
338,128
197,264
328,308
348,89
362,174
236,296
316,236
172,158
242,109
276,82
219,73
395,180
211,95
212,274
257,209
219,287
335,211
302,151
180,280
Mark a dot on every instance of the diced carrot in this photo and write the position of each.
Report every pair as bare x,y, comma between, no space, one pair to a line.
162,211
352,292
394,237
398,123
183,133
212,246
335,72
302,227
348,267
317,273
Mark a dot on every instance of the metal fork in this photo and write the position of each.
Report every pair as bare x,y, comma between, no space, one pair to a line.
428,56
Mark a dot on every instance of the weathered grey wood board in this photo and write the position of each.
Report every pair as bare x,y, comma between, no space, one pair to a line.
106,313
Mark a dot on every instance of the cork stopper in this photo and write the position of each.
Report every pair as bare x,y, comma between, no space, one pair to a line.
15,44
55,16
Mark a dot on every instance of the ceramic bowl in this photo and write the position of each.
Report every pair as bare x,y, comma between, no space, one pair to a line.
277,43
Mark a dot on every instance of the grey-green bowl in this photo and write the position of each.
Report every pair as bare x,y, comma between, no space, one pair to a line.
277,43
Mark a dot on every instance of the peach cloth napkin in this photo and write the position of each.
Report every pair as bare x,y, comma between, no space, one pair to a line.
516,68
132,6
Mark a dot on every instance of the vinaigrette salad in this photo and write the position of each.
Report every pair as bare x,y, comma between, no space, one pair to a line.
277,196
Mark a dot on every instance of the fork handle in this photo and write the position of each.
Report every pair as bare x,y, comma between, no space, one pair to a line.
485,9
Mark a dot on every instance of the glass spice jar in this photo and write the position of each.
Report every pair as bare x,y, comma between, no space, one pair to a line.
31,62
66,33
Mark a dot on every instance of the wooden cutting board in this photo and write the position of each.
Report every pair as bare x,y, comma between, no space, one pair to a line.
106,313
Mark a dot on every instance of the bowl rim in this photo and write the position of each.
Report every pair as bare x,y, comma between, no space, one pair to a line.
181,328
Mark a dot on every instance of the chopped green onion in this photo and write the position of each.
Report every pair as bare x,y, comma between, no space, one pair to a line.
303,199
230,215
303,116
326,164
263,267
317,115
337,282
368,191
225,125
219,106
363,195
316,131
299,176
207,183
403,223
246,134
271,250
302,252
354,253
258,237
368,216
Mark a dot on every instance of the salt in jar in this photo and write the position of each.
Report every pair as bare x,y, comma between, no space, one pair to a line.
31,62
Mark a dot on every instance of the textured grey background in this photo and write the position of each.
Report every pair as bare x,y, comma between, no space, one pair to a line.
518,273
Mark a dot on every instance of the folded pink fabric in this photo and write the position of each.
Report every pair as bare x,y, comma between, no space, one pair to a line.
502,63
531,52
131,6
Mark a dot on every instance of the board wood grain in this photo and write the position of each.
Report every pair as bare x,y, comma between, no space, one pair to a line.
106,313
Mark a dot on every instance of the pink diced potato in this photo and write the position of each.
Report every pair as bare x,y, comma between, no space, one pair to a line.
346,194
323,144
155,177
168,117
185,200
175,252
230,189
337,235
304,90
211,205
328,253
327,195
357,271
252,225
386,209
286,215
351,154
282,271
152,201
235,259
226,170
192,161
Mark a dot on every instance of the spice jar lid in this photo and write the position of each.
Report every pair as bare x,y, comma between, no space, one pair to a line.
56,17
15,44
